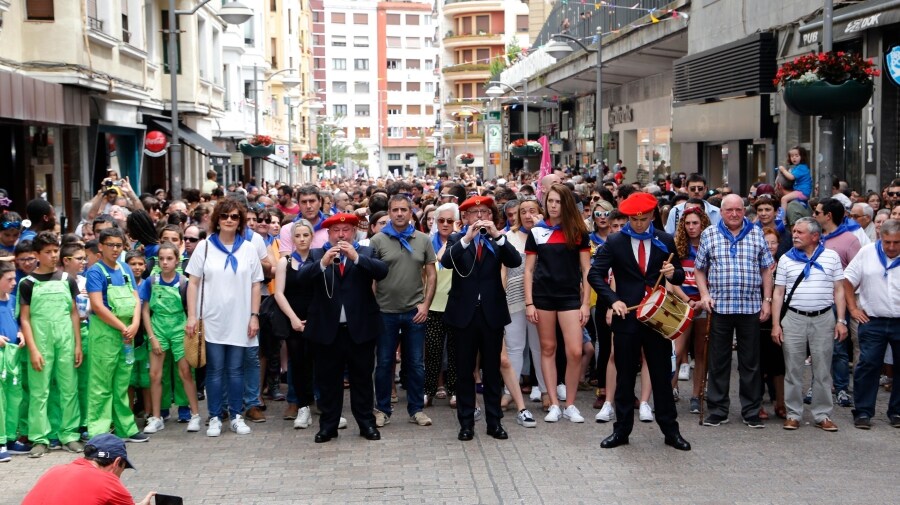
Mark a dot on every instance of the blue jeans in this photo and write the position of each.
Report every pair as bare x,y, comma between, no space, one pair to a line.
251,377
393,328
874,338
840,366
224,369
291,396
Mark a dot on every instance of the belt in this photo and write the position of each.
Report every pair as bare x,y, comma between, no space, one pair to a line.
810,314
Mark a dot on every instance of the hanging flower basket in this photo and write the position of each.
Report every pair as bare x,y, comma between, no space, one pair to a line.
522,148
825,84
467,158
311,160
330,165
822,98
440,164
257,146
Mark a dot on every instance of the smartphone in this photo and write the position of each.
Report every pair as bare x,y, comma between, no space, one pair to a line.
166,499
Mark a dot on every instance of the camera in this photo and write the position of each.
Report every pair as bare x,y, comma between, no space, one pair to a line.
483,231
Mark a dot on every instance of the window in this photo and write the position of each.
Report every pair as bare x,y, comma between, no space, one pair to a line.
522,23
360,87
427,19
361,64
339,86
429,87
482,55
413,64
316,17
394,86
165,43
394,110
393,156
482,24
412,19
273,49
413,42
340,110
413,86
360,18
428,42
393,19
412,133
339,63
413,109
393,41
318,39
429,64
39,10
429,110
362,41
318,63
395,132
361,110
273,5
126,35
320,85
363,132
248,90
338,18
393,64
249,29
339,41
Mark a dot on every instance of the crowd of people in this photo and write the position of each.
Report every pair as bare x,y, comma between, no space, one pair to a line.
521,289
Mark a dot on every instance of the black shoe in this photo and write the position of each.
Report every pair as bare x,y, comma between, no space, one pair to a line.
370,433
466,433
324,436
754,422
715,420
614,440
678,442
863,422
497,432
895,420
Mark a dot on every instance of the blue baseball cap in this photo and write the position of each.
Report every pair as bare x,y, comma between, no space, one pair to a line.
110,446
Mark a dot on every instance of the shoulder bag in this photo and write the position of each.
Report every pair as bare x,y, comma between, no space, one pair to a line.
195,345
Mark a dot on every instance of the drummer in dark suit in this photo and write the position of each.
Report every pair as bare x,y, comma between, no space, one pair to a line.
477,311
637,256
343,324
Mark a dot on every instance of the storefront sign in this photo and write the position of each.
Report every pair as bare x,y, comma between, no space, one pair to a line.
494,137
621,114
155,144
892,64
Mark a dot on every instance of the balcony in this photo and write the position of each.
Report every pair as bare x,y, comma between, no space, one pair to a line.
467,72
473,39
455,7
454,105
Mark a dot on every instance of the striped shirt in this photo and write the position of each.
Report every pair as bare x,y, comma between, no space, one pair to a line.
735,284
815,292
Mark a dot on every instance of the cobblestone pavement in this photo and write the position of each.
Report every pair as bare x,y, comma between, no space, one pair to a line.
553,463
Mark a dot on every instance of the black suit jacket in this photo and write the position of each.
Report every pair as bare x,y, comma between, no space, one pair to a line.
353,291
484,280
617,254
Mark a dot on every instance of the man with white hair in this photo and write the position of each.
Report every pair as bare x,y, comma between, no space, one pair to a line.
864,216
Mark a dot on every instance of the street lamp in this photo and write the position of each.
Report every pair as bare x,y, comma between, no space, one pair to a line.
495,91
559,50
233,13
287,82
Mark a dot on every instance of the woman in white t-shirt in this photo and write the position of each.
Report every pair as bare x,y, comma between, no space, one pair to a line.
230,271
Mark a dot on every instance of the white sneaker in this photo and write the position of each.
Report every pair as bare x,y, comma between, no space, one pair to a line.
535,394
239,426
525,419
606,414
572,414
684,372
303,420
215,427
646,413
477,414
194,424
342,423
553,414
154,424
561,392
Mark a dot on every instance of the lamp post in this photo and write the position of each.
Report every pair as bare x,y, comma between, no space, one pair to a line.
559,50
288,83
233,13
495,91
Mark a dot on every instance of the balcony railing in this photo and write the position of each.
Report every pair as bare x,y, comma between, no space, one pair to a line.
468,67
95,24
583,23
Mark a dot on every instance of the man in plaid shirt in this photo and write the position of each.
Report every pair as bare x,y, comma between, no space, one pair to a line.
733,275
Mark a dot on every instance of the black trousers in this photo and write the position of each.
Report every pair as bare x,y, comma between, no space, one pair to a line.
301,359
478,337
331,359
721,329
658,352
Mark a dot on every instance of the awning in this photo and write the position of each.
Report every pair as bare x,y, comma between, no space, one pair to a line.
277,160
850,21
194,140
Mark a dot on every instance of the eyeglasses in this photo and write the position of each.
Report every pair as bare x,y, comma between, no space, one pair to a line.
817,212
894,193
77,258
117,245
12,224
857,216
601,213
382,223
233,217
478,212
445,220
596,198
26,260
192,239
696,188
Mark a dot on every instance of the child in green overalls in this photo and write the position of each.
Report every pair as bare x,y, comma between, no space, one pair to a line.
171,379
73,258
162,297
52,331
11,343
114,323
140,372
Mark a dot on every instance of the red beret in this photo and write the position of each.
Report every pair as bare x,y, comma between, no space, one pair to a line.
638,204
475,201
343,218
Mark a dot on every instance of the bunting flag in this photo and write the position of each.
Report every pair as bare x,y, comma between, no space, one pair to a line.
546,165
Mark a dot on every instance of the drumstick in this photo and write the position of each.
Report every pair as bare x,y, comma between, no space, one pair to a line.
660,274
705,372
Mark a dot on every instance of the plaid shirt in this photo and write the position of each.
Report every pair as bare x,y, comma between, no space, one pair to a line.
735,284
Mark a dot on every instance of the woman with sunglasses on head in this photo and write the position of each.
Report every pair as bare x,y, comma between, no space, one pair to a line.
556,290
600,230
231,272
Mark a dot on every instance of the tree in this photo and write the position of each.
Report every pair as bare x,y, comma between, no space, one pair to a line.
424,153
360,155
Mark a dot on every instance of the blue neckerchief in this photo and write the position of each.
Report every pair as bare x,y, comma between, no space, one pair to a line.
248,234
334,210
650,235
402,236
268,239
507,227
851,224
320,219
596,239
837,231
10,250
436,242
748,227
882,257
779,225
800,257
692,252
328,246
543,224
478,239
230,259
298,258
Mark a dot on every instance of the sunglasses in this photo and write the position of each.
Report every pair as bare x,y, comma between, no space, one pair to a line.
12,225
894,193
596,198
601,213
445,220
192,239
233,217
817,212
695,188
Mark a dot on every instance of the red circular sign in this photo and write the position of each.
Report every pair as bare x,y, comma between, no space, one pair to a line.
155,141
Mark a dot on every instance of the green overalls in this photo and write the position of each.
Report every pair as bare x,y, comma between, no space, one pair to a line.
167,320
83,372
10,391
54,336
109,375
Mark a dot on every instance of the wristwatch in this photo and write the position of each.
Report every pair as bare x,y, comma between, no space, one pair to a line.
842,321
768,300
254,314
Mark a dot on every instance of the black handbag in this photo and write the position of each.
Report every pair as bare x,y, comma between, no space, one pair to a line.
272,320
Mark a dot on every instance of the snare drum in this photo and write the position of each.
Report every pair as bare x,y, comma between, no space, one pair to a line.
665,313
